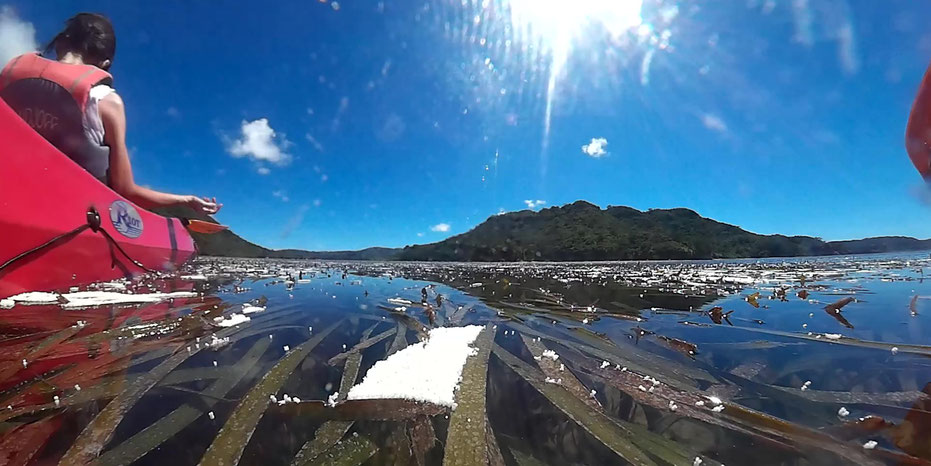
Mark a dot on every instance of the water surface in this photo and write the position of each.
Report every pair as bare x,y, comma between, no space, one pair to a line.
733,362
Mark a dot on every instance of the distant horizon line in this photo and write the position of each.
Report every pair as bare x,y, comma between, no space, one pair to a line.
600,208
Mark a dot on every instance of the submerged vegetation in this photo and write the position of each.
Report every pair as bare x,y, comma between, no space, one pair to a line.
789,362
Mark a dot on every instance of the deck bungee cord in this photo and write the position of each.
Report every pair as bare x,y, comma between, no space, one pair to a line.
93,223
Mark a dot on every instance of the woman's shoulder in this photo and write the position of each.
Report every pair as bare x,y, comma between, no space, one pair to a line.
102,91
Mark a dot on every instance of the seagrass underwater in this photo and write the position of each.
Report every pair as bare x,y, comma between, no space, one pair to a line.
283,362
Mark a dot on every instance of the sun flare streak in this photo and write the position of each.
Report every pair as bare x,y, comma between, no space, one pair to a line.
559,26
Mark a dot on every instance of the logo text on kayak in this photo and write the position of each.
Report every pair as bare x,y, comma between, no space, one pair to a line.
126,219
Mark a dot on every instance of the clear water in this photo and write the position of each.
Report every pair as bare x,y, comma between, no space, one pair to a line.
152,392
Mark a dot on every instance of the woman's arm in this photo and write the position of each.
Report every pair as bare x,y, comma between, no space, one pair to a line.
113,116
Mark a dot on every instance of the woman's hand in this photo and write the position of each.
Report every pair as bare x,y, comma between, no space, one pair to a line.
205,205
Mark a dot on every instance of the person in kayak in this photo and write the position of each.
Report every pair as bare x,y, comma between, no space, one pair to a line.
71,103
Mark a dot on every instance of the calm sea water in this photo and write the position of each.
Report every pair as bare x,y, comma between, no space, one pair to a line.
735,362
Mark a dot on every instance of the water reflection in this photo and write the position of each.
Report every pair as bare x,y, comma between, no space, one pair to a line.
586,364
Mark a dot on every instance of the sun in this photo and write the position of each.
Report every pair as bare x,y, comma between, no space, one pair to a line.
557,25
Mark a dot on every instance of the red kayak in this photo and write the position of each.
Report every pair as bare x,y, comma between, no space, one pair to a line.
61,227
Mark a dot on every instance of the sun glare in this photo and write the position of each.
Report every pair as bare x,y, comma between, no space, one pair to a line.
558,25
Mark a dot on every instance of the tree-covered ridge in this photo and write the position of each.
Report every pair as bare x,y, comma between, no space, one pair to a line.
583,231
580,231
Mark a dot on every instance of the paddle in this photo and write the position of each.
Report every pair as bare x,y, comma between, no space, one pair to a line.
200,226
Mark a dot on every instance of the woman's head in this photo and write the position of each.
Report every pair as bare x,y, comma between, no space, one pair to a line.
89,36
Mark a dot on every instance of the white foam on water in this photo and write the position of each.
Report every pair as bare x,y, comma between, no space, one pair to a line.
428,371
81,299
34,297
231,320
250,309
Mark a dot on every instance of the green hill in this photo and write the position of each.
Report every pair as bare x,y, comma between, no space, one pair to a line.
881,244
583,231
577,232
229,244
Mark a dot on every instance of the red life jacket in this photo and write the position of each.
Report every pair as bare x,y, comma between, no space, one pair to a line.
52,97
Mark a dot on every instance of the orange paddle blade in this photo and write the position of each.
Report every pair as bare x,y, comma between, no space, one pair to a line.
200,226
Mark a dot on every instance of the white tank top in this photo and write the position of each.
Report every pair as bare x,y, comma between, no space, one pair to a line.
93,126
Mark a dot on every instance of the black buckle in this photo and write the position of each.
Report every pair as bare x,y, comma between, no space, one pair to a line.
93,219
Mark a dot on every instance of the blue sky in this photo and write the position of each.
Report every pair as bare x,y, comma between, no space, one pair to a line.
393,119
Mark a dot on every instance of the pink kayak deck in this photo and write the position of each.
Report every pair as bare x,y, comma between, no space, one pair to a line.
44,194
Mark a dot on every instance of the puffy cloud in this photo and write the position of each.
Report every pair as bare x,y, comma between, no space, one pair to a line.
263,170
440,228
420,234
596,148
714,122
16,36
280,194
259,142
534,204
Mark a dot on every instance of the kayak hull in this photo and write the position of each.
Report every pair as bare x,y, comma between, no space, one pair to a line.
44,195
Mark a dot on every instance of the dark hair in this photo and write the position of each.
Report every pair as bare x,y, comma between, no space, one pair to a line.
88,34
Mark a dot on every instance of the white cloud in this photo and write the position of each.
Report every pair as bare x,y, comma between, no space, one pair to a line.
259,142
645,67
314,142
392,129
440,228
534,204
16,36
280,194
337,120
714,122
263,170
847,49
802,17
295,221
420,234
596,148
